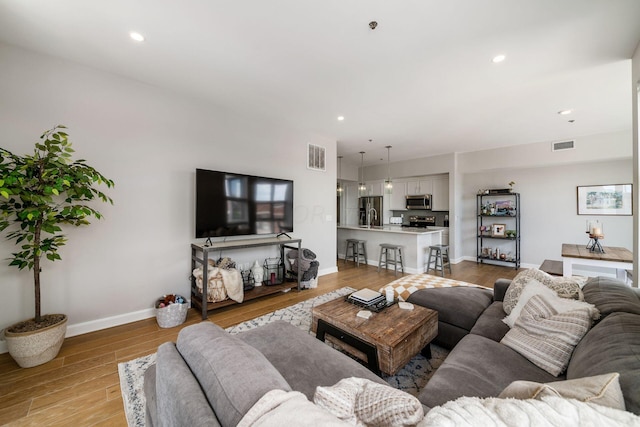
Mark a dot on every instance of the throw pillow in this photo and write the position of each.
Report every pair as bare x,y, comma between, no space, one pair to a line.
565,287
361,401
559,304
518,283
601,389
532,288
546,337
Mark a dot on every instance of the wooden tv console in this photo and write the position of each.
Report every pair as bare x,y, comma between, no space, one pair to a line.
200,255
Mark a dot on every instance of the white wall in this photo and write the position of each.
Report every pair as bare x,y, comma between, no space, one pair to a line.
149,142
635,95
547,181
549,206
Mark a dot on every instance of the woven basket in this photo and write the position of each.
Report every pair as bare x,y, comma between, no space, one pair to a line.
172,315
216,291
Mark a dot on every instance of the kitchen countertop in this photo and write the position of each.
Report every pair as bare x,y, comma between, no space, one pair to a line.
396,229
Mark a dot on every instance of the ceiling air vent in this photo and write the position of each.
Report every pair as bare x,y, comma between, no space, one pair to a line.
564,145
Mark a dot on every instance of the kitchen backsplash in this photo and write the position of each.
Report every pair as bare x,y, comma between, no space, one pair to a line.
440,215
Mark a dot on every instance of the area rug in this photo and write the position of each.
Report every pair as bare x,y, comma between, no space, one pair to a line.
412,378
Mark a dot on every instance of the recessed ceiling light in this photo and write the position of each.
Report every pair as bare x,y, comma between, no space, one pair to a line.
340,118
498,58
136,36
564,112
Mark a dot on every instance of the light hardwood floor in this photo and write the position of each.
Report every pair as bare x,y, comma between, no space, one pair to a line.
81,386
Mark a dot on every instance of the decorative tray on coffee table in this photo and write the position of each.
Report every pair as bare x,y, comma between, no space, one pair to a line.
371,300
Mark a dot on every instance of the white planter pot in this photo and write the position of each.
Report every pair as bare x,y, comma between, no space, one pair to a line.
34,348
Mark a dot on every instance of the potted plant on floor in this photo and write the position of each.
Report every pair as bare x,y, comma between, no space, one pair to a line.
39,193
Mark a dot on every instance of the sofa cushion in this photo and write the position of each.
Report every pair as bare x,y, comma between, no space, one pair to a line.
363,402
490,324
304,361
481,367
611,295
612,346
545,336
151,405
601,389
232,374
565,287
174,378
560,305
459,306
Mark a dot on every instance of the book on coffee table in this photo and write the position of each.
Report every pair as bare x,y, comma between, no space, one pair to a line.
367,297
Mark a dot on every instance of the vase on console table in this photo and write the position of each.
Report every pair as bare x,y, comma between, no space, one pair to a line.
258,273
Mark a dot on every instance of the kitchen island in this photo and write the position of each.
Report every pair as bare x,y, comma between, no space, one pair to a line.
415,242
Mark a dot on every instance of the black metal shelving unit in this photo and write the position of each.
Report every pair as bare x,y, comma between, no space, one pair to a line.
498,228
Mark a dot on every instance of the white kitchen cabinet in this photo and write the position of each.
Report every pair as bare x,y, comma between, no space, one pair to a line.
420,186
375,188
350,204
398,198
440,194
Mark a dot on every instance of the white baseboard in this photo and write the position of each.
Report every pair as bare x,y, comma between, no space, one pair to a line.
109,322
121,319
99,324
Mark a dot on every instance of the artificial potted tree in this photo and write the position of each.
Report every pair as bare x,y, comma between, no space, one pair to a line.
40,193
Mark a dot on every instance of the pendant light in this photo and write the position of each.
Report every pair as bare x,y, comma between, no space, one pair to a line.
388,184
362,187
339,188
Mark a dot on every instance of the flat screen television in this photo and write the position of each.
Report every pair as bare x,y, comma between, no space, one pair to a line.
233,204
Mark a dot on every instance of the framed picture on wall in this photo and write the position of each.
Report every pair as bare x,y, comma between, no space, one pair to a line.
497,230
615,199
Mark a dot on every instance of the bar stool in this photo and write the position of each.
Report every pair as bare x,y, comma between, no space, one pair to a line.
396,250
358,250
440,255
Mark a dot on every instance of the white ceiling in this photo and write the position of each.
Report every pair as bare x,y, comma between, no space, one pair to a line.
423,81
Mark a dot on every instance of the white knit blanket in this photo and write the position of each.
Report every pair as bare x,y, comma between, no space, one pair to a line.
550,411
278,408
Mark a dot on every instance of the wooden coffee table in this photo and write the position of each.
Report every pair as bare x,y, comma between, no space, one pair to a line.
386,341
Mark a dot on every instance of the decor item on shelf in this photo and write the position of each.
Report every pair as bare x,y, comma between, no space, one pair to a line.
38,194
171,310
258,273
339,188
500,191
388,184
224,280
362,186
498,230
273,271
511,184
248,282
308,266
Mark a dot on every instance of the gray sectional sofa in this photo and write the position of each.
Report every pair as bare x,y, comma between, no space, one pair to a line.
209,377
479,365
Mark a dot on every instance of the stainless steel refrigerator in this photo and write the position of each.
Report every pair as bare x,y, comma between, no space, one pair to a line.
370,211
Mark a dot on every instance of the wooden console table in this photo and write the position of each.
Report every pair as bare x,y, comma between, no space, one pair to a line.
199,301
619,258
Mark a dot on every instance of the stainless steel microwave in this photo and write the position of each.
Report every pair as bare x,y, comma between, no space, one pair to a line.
419,202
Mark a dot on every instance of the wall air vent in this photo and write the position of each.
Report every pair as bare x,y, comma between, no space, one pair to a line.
564,145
